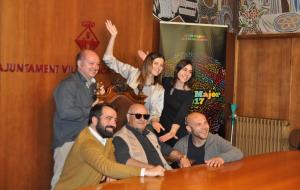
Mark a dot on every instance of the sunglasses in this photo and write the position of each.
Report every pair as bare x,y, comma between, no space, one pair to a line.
139,116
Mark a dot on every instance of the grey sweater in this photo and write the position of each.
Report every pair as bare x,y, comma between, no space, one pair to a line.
214,146
73,100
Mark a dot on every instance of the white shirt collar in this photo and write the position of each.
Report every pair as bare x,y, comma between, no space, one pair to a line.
98,137
89,82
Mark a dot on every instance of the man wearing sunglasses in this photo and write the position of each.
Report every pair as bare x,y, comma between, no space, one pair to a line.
135,145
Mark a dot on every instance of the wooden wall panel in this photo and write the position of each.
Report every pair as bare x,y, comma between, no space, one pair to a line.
38,32
295,84
11,48
263,77
229,81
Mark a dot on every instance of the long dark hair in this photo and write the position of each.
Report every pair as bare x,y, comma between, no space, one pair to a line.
180,65
147,65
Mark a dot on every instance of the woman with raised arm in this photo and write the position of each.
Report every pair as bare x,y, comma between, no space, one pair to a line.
148,77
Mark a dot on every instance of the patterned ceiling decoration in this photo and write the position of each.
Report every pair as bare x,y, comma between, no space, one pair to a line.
269,16
196,11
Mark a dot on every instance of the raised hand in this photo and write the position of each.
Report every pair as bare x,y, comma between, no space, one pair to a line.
111,28
142,55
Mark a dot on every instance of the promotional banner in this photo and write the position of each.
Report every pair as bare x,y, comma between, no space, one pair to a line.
205,45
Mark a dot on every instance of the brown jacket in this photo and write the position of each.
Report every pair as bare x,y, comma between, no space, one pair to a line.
88,161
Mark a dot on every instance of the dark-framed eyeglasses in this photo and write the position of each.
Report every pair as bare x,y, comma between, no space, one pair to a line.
139,115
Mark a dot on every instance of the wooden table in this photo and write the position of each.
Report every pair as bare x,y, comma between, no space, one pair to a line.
269,171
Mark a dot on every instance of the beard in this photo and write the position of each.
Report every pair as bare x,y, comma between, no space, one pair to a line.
102,130
200,135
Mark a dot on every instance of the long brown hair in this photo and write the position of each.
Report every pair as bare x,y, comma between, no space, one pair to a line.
147,66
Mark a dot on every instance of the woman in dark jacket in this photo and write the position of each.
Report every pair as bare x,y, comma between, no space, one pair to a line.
178,99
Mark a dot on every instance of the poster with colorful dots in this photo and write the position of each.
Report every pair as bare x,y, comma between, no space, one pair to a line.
205,46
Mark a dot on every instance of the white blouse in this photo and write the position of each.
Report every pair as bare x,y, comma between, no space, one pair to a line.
155,93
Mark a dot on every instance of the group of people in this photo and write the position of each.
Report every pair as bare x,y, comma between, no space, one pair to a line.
158,133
